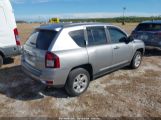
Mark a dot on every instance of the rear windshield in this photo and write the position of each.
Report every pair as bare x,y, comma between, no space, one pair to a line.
41,38
149,27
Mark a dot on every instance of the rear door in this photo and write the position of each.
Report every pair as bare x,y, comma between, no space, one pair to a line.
36,47
121,50
99,51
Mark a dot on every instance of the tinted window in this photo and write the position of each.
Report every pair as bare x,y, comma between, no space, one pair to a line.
116,35
78,37
96,36
149,27
41,39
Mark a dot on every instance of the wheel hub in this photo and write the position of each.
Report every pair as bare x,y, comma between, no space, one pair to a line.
80,83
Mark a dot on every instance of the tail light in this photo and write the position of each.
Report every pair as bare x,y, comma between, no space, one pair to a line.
52,60
17,38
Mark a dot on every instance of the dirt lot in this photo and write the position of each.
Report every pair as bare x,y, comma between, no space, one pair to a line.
124,93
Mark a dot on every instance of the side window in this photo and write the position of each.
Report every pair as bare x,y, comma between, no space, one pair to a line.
117,36
96,36
78,37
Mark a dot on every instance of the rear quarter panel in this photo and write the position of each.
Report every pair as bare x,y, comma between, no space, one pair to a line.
70,54
72,58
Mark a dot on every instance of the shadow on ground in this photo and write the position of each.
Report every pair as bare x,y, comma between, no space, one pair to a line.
152,52
8,61
15,84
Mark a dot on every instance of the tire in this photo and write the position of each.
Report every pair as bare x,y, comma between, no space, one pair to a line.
136,61
74,85
1,61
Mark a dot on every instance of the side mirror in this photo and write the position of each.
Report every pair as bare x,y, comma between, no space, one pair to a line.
130,38
127,39
124,40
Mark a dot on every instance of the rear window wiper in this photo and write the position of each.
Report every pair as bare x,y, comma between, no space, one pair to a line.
32,43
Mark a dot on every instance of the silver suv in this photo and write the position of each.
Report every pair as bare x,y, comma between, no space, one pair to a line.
71,55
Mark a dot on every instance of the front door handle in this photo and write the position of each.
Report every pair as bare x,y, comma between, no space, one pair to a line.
117,47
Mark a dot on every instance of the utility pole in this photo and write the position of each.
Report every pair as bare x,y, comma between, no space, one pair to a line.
124,9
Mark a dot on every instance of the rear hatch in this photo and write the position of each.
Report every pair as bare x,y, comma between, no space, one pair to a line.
37,46
150,33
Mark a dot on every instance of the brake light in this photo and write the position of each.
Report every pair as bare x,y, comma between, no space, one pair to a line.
52,60
17,38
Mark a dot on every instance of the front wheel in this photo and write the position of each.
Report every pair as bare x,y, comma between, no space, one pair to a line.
78,82
136,61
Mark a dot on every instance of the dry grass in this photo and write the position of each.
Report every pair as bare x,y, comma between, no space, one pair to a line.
25,30
124,93
128,27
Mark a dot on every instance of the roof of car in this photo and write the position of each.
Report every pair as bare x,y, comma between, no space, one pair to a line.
65,25
152,21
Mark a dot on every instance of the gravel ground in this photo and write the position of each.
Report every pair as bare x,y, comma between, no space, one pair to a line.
123,93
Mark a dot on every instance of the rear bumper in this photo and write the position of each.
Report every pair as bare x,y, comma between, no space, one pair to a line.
58,77
11,51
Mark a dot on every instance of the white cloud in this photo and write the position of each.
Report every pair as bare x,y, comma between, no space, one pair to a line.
18,1
31,1
41,1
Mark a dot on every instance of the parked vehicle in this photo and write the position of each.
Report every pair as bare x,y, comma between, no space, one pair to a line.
71,55
149,32
9,39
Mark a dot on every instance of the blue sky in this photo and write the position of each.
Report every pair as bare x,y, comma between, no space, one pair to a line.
43,9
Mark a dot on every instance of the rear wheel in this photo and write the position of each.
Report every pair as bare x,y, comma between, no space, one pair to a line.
1,61
136,61
78,82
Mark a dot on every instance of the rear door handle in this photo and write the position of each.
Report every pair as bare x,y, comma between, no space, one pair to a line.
117,47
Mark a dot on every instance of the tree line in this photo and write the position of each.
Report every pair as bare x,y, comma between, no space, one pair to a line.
116,19
107,20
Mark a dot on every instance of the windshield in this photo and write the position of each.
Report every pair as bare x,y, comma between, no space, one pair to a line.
149,27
